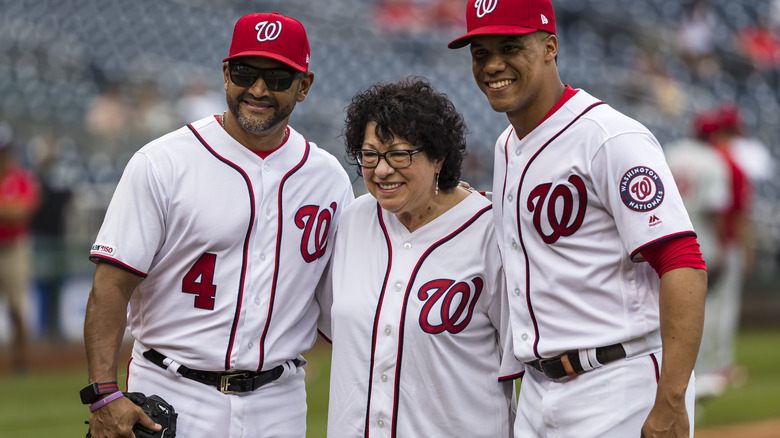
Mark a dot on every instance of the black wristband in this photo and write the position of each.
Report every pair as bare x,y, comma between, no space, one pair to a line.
95,391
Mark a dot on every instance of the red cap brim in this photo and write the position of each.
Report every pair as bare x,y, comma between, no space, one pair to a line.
275,56
490,30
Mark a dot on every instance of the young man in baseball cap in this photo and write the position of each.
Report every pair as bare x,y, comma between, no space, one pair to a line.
217,238
605,277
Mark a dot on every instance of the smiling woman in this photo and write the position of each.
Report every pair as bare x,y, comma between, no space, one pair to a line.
416,280
420,135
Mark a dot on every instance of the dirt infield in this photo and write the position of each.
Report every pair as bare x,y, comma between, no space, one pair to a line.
58,357
759,429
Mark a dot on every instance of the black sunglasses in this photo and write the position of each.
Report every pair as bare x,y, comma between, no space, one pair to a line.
276,79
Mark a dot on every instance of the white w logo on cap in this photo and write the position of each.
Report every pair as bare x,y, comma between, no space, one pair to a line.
485,7
268,32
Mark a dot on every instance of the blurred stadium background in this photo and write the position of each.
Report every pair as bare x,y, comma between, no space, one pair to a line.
84,83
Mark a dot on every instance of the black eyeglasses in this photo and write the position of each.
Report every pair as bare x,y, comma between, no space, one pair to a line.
276,79
397,159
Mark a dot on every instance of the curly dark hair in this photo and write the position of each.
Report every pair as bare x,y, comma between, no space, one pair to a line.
412,110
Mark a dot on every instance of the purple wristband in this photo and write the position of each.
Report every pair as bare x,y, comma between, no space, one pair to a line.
104,401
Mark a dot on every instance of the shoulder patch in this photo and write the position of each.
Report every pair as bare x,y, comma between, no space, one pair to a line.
641,189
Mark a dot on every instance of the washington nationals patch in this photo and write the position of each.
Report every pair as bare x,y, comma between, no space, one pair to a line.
641,189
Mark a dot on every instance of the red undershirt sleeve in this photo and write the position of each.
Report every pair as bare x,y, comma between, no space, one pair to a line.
681,252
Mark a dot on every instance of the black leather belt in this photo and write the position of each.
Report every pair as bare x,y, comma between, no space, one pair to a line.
568,364
227,382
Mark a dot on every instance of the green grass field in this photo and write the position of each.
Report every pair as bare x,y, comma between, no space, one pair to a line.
46,405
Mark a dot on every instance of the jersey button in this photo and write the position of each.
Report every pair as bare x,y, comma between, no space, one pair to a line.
250,345
407,245
384,377
257,301
514,245
262,257
517,291
510,198
388,331
398,287
518,152
380,423
268,211
524,337
267,168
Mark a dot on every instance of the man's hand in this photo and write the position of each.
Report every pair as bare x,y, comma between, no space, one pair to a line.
667,419
116,420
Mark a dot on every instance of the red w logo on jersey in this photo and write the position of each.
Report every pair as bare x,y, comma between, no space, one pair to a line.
561,197
443,298
314,248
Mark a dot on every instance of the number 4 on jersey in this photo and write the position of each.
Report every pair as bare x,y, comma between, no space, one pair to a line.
199,280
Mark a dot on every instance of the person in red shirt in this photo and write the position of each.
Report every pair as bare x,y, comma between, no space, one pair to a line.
19,200
716,368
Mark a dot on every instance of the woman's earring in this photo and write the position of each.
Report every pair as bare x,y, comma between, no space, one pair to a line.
436,193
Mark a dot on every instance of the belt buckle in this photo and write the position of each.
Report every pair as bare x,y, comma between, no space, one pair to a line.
224,382
565,363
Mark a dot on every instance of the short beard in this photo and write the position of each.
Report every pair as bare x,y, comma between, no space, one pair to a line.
256,126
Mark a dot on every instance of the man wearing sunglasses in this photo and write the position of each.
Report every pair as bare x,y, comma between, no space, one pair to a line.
217,237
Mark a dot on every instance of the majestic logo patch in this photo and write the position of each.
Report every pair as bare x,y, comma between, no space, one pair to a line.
641,189
485,7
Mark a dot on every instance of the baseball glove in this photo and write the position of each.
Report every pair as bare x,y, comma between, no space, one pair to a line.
158,410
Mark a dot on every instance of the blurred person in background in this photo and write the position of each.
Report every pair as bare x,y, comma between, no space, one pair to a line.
199,100
760,45
695,39
704,180
19,199
416,259
109,117
750,153
716,368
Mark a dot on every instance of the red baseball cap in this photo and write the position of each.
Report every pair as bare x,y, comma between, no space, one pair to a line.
272,36
730,117
505,17
706,123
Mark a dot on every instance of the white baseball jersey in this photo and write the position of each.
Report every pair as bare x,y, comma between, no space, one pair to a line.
418,324
575,201
231,246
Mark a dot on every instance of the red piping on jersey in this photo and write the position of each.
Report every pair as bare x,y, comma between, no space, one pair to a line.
519,229
568,93
327,339
415,271
511,376
655,364
251,191
376,316
278,252
95,258
127,376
